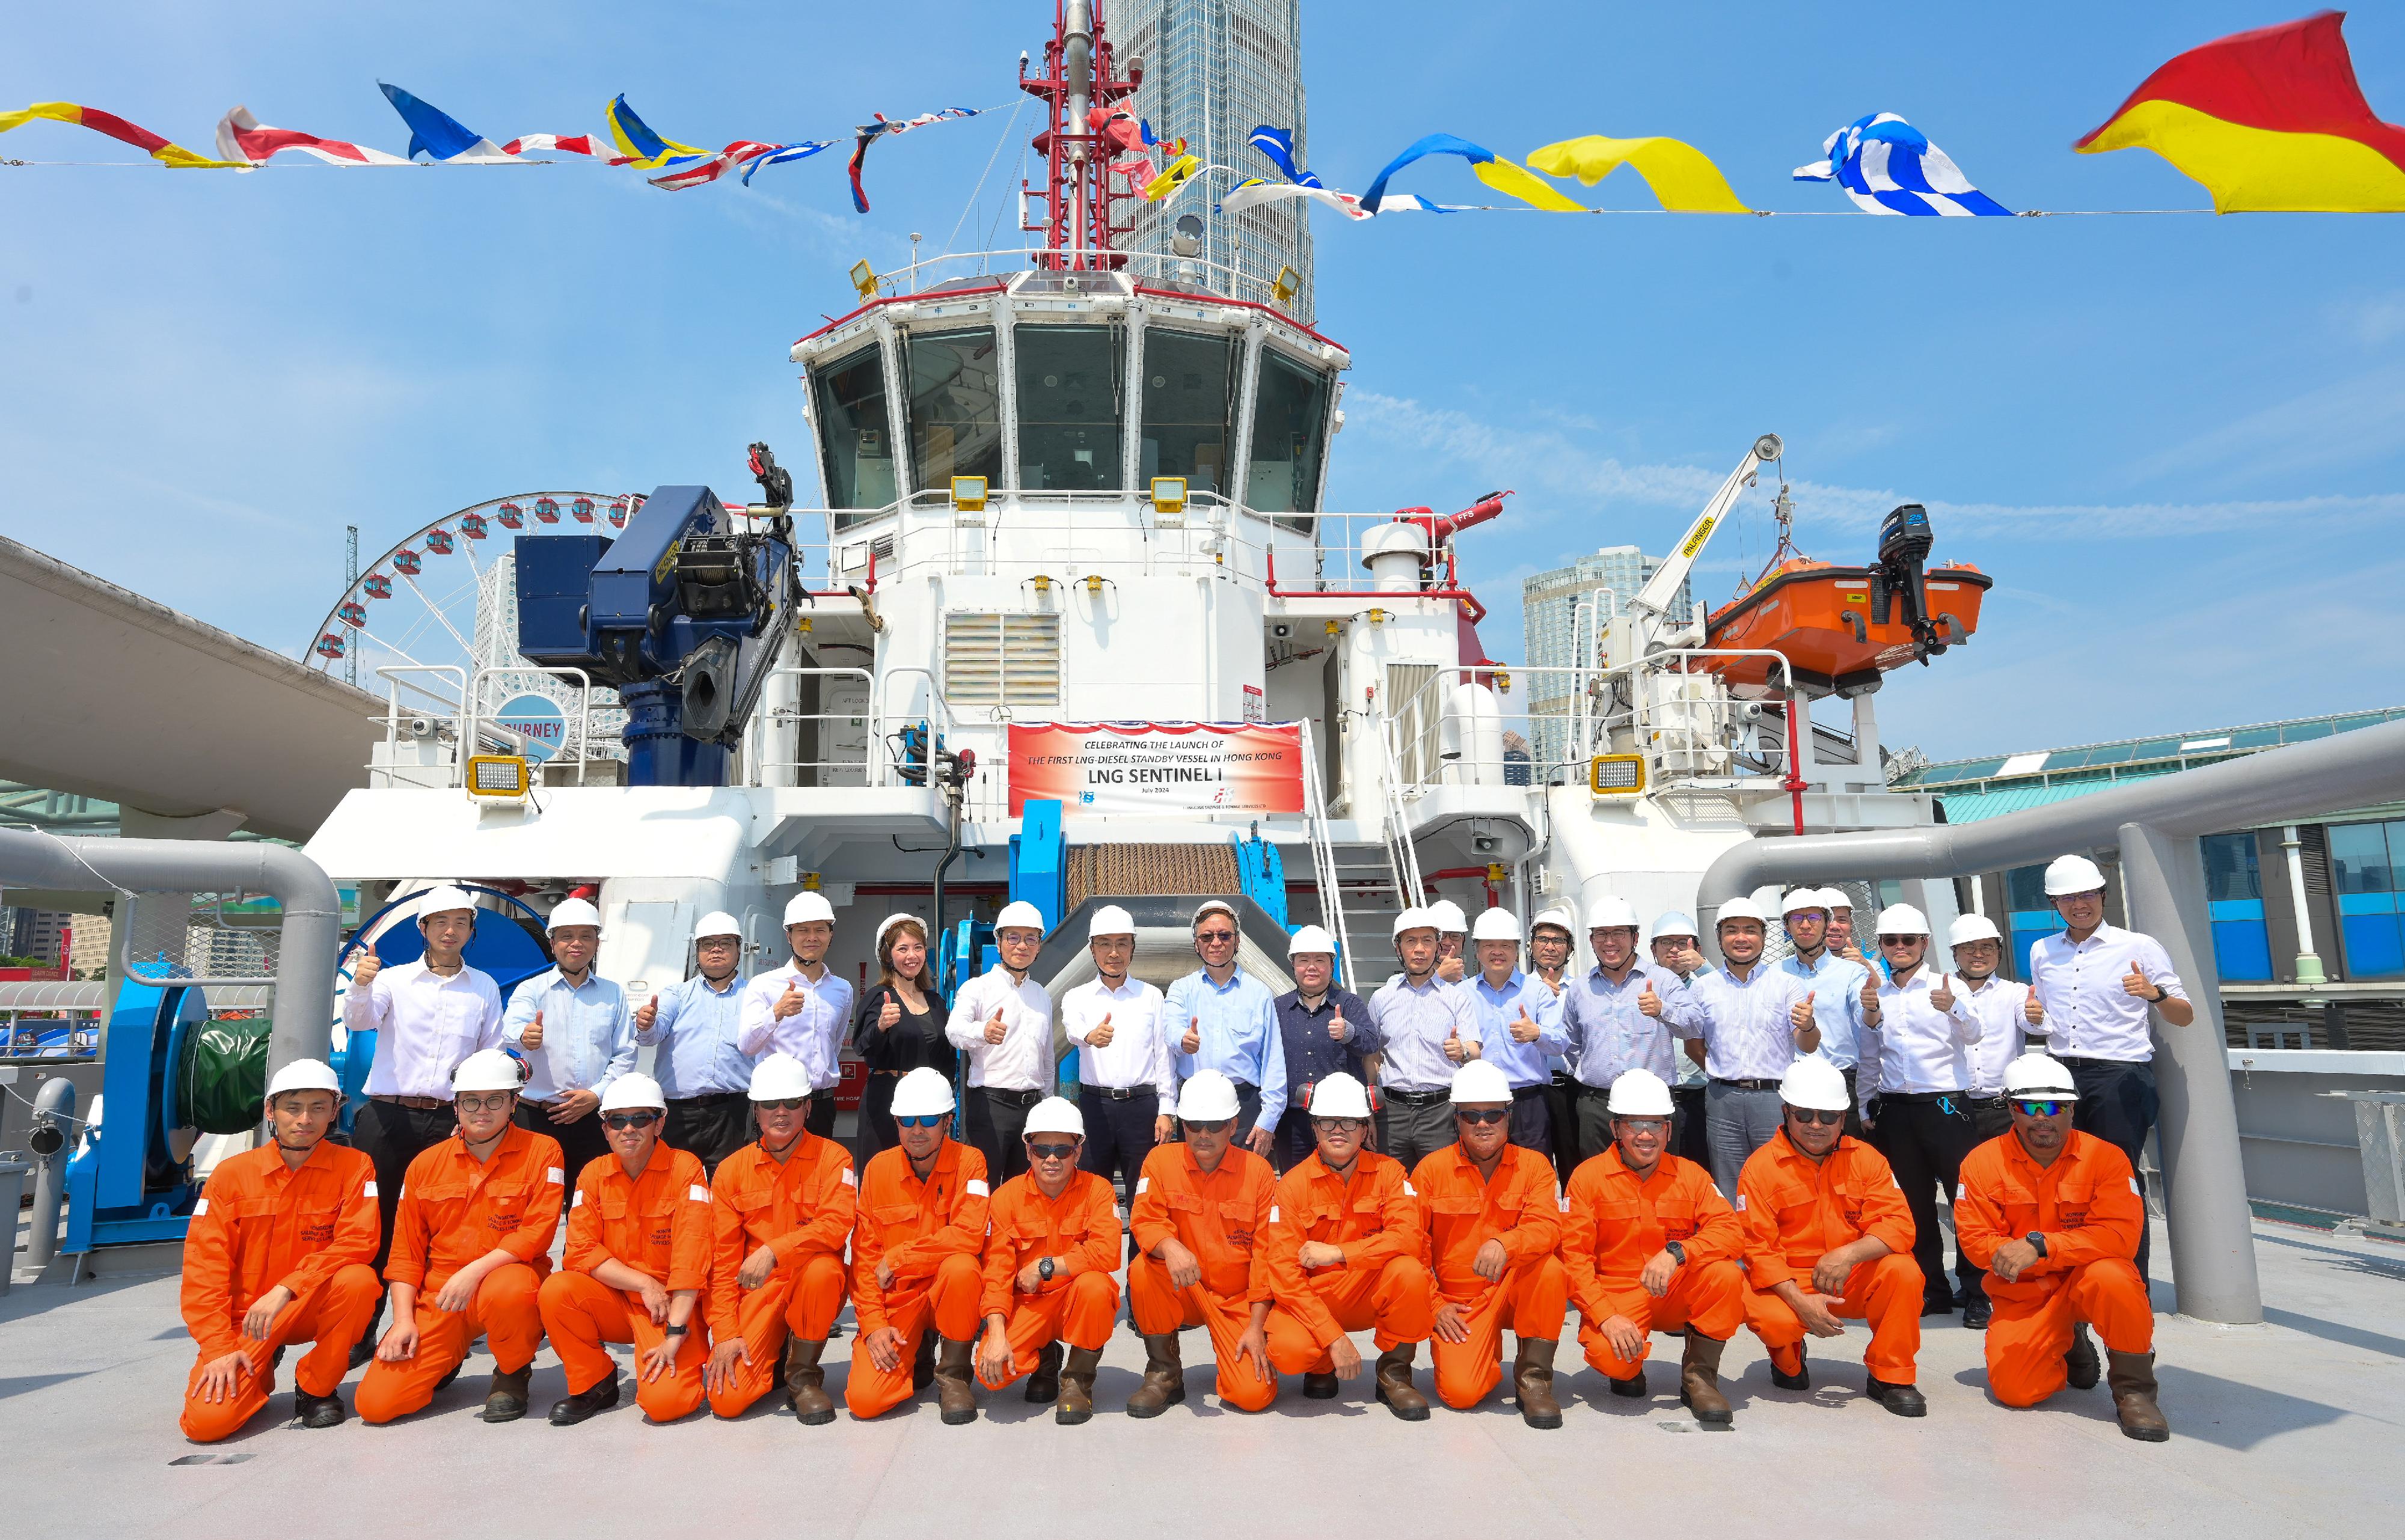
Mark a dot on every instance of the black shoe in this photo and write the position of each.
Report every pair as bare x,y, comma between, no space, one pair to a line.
1633,1386
1043,1385
1320,1387
1902,1400
1936,1307
580,1405
317,1412
1800,1381
2080,1366
444,1383
1975,1313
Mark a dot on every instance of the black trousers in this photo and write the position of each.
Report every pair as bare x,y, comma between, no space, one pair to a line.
997,1120
1924,1138
1532,1120
1410,1134
714,1125
1119,1133
876,1132
2117,1103
582,1142
820,1119
1853,1104
1561,1113
1688,1139
392,1136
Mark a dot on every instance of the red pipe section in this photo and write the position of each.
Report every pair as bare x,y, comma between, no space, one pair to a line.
1795,783
1481,873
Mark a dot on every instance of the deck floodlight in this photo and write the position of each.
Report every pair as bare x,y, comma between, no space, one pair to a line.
968,494
863,278
1168,494
498,777
1333,629
1616,774
1377,617
1287,286
1186,238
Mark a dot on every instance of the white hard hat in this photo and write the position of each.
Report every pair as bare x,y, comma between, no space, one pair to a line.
1739,908
1838,898
1447,917
1020,915
488,1069
2039,1075
1902,920
778,1076
1496,925
1561,920
802,908
1970,927
1216,905
1311,938
2067,875
1478,1082
888,922
1339,1096
1413,919
306,1074
631,1091
923,1093
718,922
443,900
1207,1097
1816,1085
1056,1115
574,911
1672,924
1607,911
1110,920
1802,897
1640,1093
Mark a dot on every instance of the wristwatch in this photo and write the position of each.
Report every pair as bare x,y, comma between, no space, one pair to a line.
1044,1269
676,1331
2036,1240
1677,1252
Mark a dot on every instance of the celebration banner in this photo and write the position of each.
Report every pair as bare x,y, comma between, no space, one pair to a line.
1158,767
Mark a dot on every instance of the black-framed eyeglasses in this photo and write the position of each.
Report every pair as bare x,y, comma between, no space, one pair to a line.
785,1103
924,1120
1052,1152
618,1123
1342,1125
2041,1109
498,1102
1482,1116
1815,1114
1208,1125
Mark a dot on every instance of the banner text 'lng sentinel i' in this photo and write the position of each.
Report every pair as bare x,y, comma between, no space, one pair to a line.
1159,768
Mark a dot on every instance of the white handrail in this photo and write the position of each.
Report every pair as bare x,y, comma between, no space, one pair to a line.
1323,857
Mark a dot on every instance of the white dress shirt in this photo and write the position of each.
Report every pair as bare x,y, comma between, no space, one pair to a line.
1022,1060
1748,1031
813,1034
1135,1056
1998,1006
2087,1012
1921,1049
588,1034
425,1025
1414,1023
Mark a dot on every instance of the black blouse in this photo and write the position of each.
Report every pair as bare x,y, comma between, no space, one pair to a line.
916,1040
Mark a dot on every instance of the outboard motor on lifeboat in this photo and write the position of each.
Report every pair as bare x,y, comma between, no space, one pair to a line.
1904,547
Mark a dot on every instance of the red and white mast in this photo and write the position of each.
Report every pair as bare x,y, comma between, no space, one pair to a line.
1080,83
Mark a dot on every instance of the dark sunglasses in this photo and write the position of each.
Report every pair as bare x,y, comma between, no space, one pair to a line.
1214,935
621,1122
1212,1126
785,1104
2043,1109
926,1120
1809,1114
1482,1114
1052,1152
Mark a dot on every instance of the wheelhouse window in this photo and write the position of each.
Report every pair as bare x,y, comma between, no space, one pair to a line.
1289,430
1189,407
955,387
1071,395
853,427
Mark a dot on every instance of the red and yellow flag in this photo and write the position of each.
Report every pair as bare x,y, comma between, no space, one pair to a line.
117,128
2268,120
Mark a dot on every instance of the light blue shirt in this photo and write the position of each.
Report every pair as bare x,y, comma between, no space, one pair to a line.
1240,1035
699,1031
588,1034
1609,1035
1836,987
1523,1063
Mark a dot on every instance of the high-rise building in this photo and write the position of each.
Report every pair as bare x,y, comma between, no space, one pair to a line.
1214,70
1564,614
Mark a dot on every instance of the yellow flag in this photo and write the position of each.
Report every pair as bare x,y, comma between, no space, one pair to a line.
1682,178
1172,177
1516,181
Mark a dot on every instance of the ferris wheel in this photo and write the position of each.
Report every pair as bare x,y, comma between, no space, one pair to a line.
436,617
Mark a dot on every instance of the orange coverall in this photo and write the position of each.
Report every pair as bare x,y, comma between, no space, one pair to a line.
657,1223
1795,1212
802,1211
1219,1217
1461,1210
1615,1224
257,1224
933,1231
455,1209
1382,1281
1080,1232
2087,1206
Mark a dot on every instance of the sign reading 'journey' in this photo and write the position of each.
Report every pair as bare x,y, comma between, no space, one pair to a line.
1158,767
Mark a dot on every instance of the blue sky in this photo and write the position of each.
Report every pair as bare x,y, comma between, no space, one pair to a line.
2176,441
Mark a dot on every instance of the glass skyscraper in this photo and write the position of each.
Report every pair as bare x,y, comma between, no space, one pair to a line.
1560,634
1213,71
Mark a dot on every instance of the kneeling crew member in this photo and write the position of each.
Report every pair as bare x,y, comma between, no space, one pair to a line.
914,1258
1343,1253
1652,1246
1827,1235
1489,1206
782,1210
2054,1216
470,1248
278,1252
1048,1260
1199,1210
639,1237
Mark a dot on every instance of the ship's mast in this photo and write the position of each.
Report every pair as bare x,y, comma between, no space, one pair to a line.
1080,77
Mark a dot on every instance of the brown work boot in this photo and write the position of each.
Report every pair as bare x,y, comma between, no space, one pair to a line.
506,1400
1164,1377
1395,1387
954,1401
1077,1386
1044,1384
2132,1378
1532,1383
805,1382
2080,1368
1699,1381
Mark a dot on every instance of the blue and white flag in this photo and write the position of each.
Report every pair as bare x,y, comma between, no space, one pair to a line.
1886,166
436,135
785,153
1277,143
